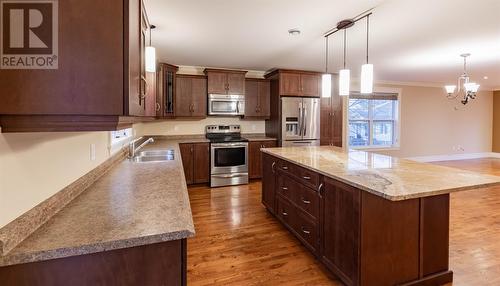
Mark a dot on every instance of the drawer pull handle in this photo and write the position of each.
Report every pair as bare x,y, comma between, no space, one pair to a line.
305,231
285,168
284,213
306,177
272,166
305,201
284,188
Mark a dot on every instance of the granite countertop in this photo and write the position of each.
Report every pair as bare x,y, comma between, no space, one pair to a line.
132,204
392,178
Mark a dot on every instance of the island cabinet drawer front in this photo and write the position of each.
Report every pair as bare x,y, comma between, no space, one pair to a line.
307,230
288,187
308,200
286,212
305,176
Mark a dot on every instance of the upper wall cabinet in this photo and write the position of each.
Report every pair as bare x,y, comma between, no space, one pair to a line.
166,83
257,97
190,96
99,78
297,83
225,81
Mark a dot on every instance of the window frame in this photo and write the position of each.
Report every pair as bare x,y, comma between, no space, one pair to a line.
396,125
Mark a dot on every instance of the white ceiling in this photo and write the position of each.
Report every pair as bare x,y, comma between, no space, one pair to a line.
410,40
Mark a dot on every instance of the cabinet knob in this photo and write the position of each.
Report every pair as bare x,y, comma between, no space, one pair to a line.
305,201
305,231
285,168
284,188
284,213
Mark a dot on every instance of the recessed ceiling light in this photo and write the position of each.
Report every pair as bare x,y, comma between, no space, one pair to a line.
294,32
485,77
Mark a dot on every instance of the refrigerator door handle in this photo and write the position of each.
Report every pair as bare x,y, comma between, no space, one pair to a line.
301,120
305,119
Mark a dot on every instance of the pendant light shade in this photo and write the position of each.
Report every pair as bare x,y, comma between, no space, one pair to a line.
150,53
344,82
326,79
150,59
367,78
367,69
326,85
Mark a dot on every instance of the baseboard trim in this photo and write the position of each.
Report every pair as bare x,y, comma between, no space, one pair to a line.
454,157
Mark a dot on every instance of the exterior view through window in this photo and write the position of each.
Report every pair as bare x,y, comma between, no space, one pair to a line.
373,120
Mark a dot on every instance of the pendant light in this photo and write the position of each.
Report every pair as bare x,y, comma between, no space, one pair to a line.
150,54
367,69
326,79
344,75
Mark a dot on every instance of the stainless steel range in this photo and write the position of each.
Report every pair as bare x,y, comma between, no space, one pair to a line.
228,155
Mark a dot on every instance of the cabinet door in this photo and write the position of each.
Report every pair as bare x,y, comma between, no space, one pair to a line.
236,83
183,102
341,224
290,84
269,182
187,161
254,159
264,99
309,85
199,97
201,163
326,122
150,100
251,98
217,82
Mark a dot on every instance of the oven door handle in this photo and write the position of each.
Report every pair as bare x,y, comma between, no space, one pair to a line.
229,145
231,175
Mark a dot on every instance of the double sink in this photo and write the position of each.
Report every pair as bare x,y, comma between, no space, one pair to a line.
149,155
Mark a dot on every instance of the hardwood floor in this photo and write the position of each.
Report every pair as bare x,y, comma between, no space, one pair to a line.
238,242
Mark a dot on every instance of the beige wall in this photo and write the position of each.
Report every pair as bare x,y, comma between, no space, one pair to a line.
182,127
431,126
496,121
34,166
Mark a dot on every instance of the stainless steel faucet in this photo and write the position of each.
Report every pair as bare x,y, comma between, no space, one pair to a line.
131,146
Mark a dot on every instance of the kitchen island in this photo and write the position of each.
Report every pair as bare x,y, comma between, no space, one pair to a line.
371,219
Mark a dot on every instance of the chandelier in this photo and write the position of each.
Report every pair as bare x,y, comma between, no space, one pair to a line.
466,90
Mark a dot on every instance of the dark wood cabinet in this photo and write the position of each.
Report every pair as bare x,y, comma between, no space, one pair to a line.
190,96
255,157
331,119
196,162
166,84
362,238
98,80
225,81
297,83
257,98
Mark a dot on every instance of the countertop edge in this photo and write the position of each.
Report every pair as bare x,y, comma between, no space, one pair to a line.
379,194
38,256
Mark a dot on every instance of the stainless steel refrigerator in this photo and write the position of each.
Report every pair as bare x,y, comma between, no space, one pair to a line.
300,121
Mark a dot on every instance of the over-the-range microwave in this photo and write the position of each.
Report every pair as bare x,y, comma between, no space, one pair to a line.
224,104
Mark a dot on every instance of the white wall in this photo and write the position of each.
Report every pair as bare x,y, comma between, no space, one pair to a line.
34,166
431,126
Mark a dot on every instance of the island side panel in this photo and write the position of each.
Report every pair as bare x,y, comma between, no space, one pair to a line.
389,240
153,264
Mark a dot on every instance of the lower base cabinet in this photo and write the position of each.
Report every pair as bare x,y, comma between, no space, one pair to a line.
154,264
255,157
196,162
360,237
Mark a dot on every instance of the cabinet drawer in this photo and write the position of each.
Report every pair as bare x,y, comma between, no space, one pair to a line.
304,175
287,187
307,230
308,200
286,212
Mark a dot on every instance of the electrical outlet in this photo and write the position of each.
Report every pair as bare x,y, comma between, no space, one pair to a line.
92,152
254,127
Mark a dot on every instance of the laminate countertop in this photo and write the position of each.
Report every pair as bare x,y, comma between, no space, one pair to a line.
392,178
132,204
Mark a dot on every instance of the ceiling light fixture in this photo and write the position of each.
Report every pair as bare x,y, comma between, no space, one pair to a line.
367,69
294,32
150,54
466,89
326,79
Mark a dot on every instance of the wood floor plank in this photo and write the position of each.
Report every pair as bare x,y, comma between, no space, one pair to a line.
238,242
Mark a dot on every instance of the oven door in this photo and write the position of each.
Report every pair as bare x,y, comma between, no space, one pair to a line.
225,105
227,158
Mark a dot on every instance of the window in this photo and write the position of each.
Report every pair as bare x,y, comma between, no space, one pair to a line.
373,120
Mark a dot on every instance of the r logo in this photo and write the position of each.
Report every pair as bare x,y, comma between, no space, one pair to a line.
29,34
